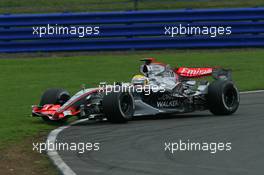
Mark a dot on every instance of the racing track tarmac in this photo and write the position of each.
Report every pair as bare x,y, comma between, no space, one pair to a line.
138,146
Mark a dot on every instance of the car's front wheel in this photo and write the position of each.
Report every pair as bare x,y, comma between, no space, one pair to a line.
118,107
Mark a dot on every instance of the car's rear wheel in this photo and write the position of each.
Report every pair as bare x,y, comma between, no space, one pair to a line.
54,96
118,107
223,97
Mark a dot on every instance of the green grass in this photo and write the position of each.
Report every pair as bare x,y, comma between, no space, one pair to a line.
43,6
23,80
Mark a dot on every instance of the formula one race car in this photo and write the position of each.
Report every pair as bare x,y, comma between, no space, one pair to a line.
159,89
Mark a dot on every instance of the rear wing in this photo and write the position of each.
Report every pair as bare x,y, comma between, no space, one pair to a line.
216,73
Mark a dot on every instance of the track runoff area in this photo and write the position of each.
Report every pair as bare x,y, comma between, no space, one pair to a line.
182,144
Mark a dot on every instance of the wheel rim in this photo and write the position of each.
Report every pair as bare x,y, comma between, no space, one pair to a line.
230,97
63,98
126,104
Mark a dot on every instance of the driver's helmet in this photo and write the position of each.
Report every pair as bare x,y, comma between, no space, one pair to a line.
140,80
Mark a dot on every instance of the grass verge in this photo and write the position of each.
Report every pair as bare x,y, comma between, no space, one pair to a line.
20,159
47,6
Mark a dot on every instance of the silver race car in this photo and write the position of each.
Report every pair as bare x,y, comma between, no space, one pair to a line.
159,89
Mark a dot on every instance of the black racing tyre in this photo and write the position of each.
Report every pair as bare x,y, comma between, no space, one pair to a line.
54,96
223,97
118,107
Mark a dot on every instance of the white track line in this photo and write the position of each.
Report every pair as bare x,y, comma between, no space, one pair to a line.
252,92
57,160
53,154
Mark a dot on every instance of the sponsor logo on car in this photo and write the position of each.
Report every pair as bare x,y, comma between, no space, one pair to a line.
167,104
194,71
